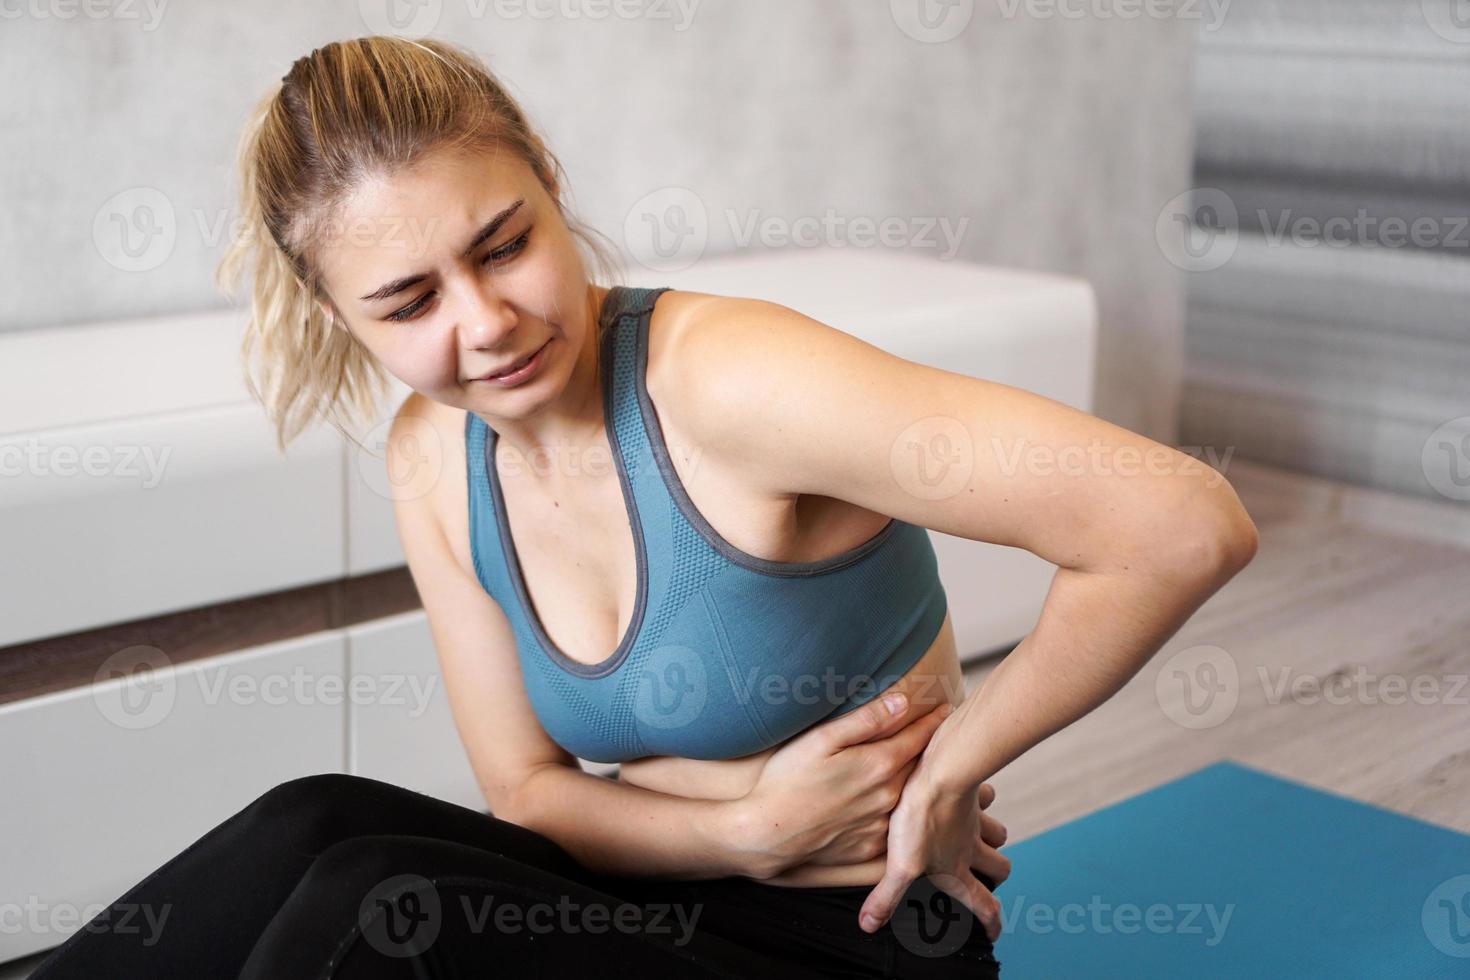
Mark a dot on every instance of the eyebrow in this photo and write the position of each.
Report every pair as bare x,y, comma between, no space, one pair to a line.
490,228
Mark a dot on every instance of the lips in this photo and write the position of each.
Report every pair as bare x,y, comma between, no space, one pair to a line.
511,368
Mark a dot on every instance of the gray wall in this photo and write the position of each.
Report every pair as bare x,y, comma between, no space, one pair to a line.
1342,352
1057,138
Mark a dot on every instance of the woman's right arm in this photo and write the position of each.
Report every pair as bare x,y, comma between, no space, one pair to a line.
820,795
823,795
524,776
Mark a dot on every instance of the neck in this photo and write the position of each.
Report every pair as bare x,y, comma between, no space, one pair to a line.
553,437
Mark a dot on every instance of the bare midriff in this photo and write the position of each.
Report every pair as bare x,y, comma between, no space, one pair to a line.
933,680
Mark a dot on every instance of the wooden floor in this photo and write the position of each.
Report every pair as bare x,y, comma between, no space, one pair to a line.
1364,586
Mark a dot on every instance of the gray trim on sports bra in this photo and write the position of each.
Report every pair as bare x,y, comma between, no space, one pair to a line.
507,544
691,513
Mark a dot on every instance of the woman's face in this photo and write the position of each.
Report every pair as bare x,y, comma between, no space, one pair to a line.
457,268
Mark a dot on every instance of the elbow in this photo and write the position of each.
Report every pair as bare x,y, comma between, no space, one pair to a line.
508,799
1236,538
498,802
519,801
1218,542
1242,543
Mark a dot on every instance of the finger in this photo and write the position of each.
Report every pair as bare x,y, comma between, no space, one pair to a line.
873,719
911,741
988,909
968,891
990,862
917,736
987,795
992,831
895,783
883,899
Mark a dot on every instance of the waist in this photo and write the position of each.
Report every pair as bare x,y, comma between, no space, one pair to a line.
934,679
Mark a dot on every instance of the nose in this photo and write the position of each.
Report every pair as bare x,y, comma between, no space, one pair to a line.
485,320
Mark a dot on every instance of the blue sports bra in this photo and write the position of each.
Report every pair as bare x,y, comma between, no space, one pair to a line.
726,653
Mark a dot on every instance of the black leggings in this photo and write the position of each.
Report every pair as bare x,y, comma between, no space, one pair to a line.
348,877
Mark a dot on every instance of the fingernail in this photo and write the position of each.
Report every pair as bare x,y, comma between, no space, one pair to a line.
870,922
894,703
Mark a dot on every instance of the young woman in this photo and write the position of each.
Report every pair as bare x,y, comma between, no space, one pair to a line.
681,532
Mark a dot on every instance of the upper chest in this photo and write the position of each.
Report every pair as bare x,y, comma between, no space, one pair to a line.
572,522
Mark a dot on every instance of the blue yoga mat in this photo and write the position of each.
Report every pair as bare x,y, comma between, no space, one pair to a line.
1233,872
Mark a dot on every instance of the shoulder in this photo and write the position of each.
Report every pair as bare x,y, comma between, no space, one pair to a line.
424,431
693,317
425,459
727,347
743,376
707,343
698,346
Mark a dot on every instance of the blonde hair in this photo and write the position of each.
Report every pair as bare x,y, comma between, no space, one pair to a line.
346,111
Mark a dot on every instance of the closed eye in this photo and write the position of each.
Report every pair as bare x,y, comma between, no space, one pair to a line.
510,248
498,255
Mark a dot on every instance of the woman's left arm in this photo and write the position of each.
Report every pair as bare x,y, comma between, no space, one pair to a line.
1095,631
1141,533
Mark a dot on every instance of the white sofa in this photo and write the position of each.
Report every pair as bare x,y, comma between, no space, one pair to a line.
96,794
